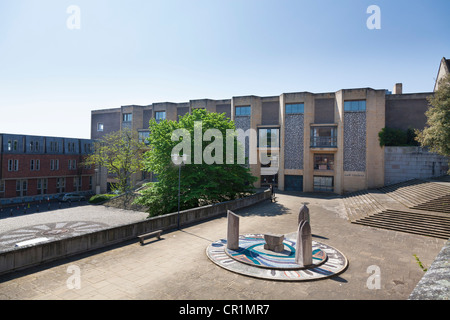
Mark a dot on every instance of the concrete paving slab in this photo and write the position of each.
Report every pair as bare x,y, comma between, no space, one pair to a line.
177,267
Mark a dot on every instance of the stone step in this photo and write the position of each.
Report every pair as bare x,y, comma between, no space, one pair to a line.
409,222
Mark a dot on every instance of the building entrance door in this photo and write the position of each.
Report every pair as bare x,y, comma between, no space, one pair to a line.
323,183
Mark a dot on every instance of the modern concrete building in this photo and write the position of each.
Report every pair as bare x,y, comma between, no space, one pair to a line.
327,141
324,141
36,168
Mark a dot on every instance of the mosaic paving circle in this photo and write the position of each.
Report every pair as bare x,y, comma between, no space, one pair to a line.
50,231
334,263
251,251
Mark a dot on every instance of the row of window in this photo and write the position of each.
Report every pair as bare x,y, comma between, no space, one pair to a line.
128,117
299,108
42,186
321,136
320,183
13,145
35,165
321,161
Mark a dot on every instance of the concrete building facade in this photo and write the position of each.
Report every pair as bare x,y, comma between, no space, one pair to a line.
326,141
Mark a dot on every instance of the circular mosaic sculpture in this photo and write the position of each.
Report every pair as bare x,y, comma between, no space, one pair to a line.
251,251
50,231
253,260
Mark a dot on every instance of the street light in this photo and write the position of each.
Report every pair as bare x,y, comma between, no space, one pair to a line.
179,161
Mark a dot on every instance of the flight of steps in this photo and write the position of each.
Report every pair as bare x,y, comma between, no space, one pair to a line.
409,222
360,204
441,204
415,192
415,206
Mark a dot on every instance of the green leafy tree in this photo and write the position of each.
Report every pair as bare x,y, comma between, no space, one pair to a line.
201,182
120,153
392,137
436,135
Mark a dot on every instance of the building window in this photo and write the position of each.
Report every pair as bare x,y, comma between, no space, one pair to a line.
54,146
13,165
72,164
269,138
269,180
160,116
293,108
355,105
61,185
77,183
9,145
42,186
325,137
2,188
143,135
243,111
324,162
99,126
34,146
71,147
35,165
21,188
127,117
87,148
322,183
16,145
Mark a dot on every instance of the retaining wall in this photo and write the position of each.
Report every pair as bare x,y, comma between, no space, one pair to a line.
406,163
435,284
25,257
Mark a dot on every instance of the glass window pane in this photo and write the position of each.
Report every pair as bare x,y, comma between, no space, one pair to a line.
243,111
294,108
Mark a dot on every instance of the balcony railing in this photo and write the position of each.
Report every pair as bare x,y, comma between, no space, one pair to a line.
323,142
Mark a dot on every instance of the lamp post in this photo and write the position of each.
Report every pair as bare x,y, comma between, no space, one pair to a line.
176,160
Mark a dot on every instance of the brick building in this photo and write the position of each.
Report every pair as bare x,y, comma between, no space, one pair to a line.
33,168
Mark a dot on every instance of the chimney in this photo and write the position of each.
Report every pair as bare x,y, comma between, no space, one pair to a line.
398,89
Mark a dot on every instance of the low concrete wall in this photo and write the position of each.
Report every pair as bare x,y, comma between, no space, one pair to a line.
435,284
26,257
406,163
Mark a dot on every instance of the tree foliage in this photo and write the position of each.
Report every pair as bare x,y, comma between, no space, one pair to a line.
120,153
391,137
200,183
436,135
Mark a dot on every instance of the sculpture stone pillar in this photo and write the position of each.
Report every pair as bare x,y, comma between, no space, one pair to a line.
303,249
233,231
303,214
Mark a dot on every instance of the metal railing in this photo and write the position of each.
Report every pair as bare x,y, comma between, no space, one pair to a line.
324,142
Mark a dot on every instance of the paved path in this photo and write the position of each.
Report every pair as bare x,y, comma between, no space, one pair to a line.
177,267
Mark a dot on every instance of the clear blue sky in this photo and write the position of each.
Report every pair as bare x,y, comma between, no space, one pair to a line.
141,52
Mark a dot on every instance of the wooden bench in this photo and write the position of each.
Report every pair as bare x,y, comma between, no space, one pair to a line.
149,235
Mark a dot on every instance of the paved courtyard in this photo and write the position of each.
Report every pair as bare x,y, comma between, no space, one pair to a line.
176,267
